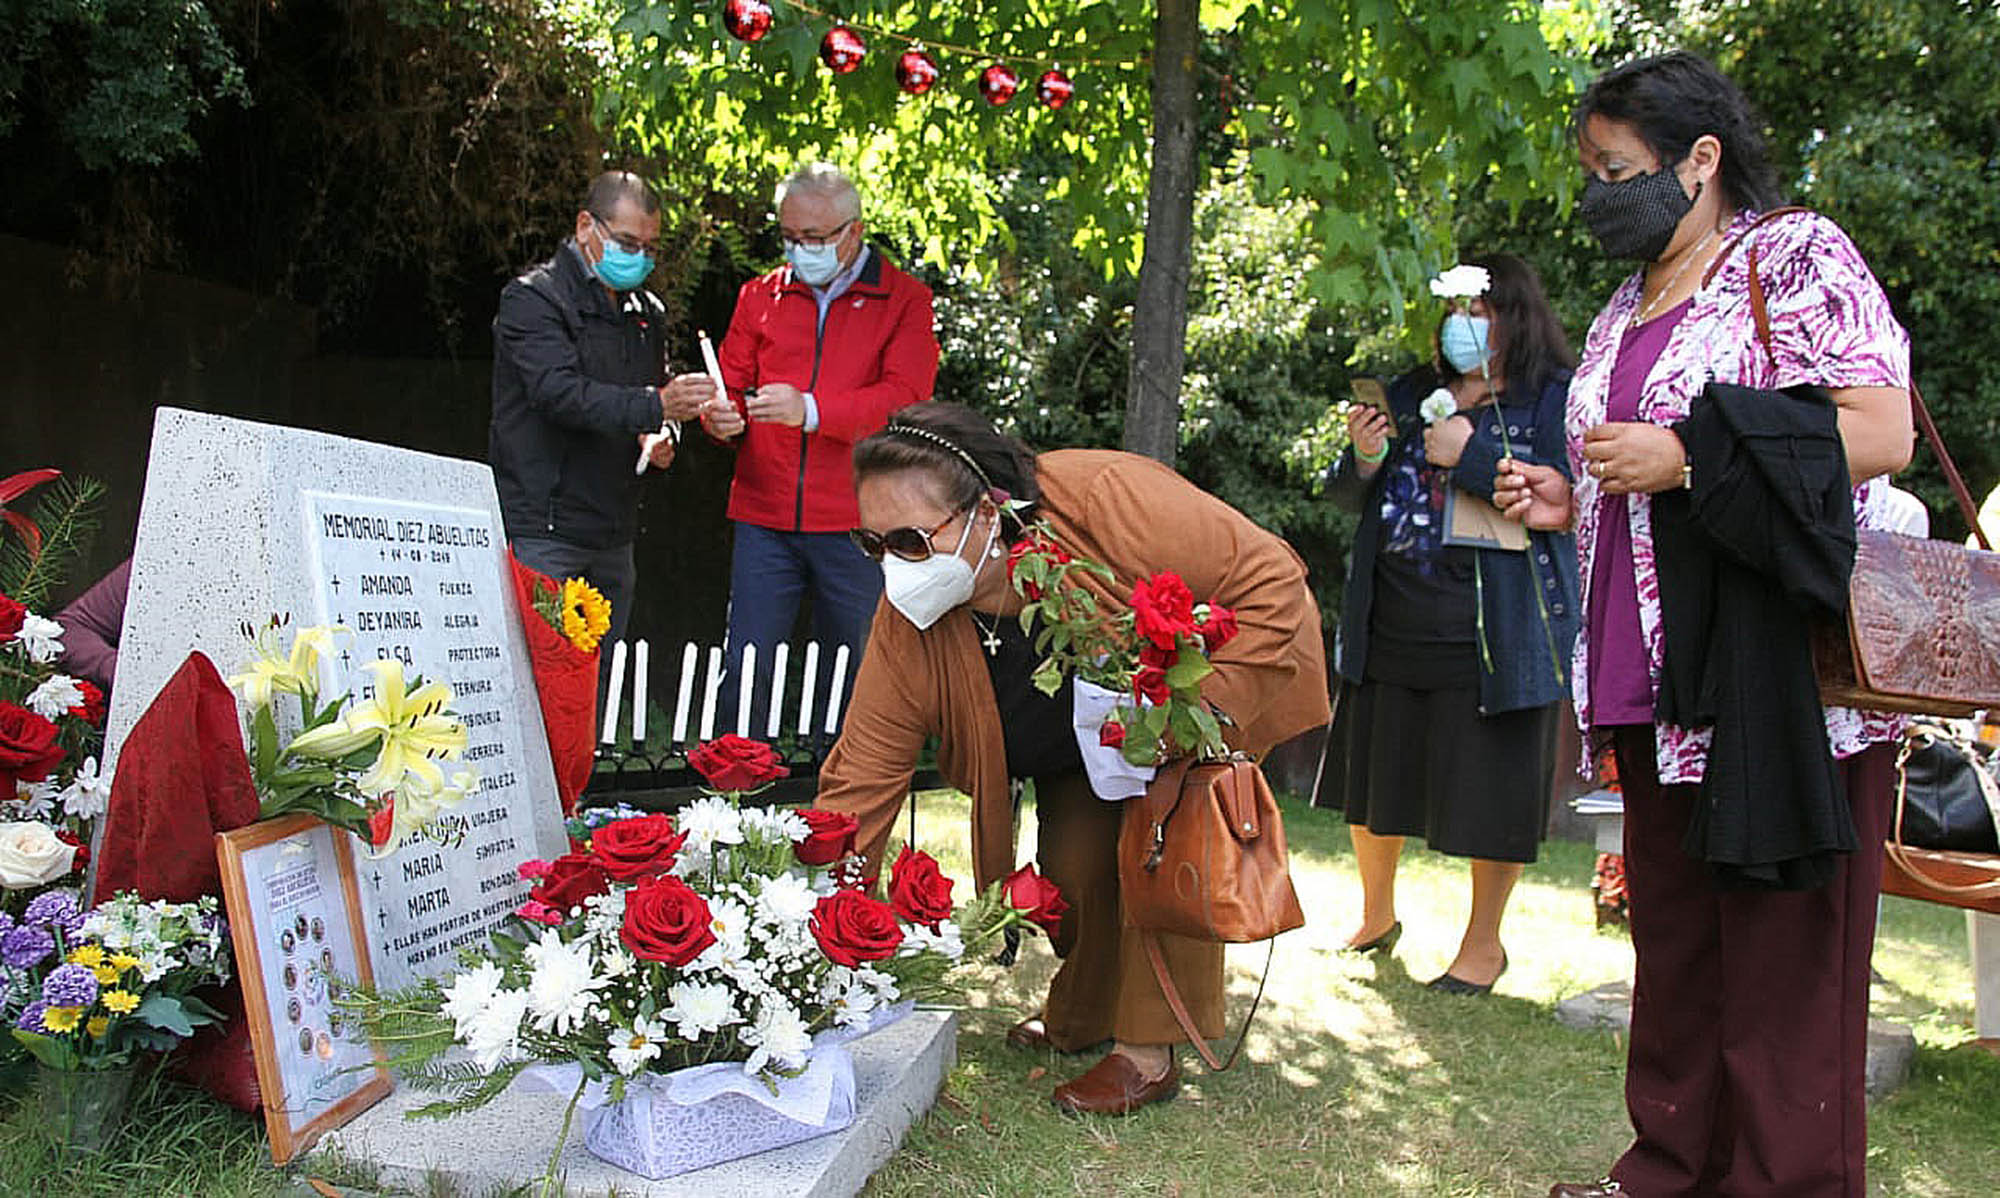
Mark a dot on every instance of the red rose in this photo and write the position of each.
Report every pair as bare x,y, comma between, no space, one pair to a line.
735,764
570,879
1039,546
1150,684
852,928
91,710
666,921
1111,734
636,848
382,822
1034,896
1162,608
81,861
12,616
28,748
1219,629
918,890
1156,657
831,836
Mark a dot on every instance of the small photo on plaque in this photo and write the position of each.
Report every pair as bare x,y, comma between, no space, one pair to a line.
287,881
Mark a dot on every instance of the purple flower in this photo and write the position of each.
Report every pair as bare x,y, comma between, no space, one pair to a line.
26,946
31,1017
70,986
57,909
6,923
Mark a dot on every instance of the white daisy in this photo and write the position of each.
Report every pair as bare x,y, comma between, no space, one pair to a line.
632,1047
775,825
919,938
709,821
470,993
56,695
496,1030
786,900
34,800
561,983
780,1038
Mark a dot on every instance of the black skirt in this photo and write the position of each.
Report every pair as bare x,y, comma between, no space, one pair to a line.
1404,761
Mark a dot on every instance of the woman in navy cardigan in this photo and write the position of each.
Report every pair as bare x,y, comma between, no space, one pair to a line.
1453,658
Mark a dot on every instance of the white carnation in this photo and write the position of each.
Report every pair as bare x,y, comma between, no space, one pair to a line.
1461,282
698,1008
88,793
56,695
1438,405
39,638
562,983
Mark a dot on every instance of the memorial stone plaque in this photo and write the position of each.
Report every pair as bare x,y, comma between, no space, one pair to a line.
404,549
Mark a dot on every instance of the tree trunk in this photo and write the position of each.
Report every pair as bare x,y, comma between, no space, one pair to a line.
1159,315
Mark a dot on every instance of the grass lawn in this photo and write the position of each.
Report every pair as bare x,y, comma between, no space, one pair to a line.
1359,1081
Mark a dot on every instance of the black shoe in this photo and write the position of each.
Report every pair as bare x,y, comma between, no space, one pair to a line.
1606,1188
1446,983
1385,943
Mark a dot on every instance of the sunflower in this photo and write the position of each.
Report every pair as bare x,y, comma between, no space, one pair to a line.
586,617
62,1019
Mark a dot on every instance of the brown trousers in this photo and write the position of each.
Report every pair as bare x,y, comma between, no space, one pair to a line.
1749,1050
1105,988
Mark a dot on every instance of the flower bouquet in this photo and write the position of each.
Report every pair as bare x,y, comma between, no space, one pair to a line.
1147,662
370,765
90,994
689,978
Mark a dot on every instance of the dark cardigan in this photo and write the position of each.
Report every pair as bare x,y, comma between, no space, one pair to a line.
1763,545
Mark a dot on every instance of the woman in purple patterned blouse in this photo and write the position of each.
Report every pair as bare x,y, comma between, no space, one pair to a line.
1749,1018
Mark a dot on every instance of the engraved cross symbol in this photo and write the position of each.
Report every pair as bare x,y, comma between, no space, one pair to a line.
334,582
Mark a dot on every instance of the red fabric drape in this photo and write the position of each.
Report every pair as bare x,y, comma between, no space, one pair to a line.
182,777
566,681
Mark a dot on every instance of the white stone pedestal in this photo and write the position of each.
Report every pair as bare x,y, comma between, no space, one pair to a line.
898,1072
1982,931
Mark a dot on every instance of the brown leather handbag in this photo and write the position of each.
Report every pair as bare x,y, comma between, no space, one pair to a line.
1922,633
1202,855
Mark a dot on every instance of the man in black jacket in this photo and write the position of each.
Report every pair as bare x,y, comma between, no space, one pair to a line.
579,363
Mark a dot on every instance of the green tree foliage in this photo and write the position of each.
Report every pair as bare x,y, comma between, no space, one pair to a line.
1370,115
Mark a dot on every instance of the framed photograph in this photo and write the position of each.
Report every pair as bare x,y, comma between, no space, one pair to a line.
1470,520
295,915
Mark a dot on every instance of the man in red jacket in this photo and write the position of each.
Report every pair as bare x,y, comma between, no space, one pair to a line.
819,353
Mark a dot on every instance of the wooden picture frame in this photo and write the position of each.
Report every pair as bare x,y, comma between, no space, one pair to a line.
312,1079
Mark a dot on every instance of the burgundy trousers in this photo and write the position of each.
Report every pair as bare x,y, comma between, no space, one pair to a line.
1749,1045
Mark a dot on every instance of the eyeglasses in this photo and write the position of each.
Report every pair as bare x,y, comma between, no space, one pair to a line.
815,240
912,544
626,242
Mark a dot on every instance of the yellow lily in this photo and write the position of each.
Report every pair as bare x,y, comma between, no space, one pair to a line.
296,673
412,727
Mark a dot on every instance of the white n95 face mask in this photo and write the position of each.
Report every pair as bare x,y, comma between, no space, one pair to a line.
924,591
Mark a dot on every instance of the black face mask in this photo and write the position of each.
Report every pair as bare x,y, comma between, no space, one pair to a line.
1636,217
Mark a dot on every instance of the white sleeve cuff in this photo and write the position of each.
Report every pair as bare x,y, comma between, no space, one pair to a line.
811,423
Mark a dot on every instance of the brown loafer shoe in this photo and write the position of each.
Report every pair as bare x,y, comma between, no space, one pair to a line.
1114,1086
1604,1188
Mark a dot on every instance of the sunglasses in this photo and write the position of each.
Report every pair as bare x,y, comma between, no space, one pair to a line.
912,544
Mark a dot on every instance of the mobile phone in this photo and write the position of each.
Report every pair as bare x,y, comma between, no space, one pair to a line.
1370,391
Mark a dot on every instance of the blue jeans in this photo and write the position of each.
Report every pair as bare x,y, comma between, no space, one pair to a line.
611,571
769,572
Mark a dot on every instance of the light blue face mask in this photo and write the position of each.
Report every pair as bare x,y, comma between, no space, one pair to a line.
1466,341
620,268
813,265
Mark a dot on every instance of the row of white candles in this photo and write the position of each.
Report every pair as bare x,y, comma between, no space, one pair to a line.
712,688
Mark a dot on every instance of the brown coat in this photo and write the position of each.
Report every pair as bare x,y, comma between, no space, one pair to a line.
1137,517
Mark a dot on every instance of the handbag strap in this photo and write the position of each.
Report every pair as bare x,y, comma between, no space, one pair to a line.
1900,853
1919,410
1157,959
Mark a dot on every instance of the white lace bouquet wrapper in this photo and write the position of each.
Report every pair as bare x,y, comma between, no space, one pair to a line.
673,1123
1112,778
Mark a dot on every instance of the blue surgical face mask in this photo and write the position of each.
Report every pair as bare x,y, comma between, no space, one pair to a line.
1466,341
813,265
620,268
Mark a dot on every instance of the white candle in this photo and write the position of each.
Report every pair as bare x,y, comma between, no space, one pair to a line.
640,661
810,681
690,658
708,360
612,695
778,658
746,681
833,691
709,692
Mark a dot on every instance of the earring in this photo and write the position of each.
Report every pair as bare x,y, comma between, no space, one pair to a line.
995,551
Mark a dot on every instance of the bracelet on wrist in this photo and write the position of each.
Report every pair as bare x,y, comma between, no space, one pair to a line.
1374,459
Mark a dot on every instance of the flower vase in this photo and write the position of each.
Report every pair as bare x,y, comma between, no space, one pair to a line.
83,1108
679,1122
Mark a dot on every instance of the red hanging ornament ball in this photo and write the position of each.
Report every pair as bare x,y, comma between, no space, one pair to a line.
1054,89
998,83
842,49
915,72
746,20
